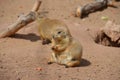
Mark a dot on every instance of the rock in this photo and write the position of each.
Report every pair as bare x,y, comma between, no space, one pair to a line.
109,35
112,31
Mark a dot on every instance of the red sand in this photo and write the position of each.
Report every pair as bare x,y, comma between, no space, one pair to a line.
22,54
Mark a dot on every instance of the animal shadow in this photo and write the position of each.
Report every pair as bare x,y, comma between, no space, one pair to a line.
31,36
84,63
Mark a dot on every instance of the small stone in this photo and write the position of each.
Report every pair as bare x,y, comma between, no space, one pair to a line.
97,65
87,29
83,19
0,60
59,76
1,67
18,79
1,15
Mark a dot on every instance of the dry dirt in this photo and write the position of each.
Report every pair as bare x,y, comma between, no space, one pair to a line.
22,56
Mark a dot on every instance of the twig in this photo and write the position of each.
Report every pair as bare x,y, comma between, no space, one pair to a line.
22,21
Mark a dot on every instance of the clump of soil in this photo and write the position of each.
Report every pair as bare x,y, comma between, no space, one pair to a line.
103,39
109,35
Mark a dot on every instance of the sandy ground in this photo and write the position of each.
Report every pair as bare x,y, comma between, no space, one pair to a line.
22,54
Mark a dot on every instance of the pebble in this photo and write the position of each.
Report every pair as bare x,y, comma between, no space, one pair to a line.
18,79
1,67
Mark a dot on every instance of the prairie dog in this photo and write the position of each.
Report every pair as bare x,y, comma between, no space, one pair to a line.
66,50
47,26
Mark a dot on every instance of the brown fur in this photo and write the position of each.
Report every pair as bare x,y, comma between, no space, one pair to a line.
66,50
47,26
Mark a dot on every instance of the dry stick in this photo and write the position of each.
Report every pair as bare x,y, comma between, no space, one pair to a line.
89,8
92,7
36,6
22,21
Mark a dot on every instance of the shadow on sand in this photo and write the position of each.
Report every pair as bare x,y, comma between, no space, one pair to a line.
31,36
85,63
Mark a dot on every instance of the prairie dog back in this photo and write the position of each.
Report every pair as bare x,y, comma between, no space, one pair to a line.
47,26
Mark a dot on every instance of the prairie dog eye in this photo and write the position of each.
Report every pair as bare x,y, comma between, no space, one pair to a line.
59,32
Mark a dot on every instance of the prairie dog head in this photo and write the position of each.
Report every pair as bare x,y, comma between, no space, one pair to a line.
60,34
